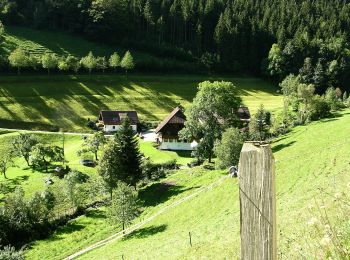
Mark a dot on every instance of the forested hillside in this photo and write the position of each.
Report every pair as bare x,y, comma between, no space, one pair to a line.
226,35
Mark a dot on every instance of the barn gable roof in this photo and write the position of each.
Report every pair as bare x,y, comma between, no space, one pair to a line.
175,117
110,117
244,114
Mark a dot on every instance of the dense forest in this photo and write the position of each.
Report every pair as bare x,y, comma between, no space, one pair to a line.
273,38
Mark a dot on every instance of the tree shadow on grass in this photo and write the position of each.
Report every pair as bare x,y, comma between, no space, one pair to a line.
279,147
160,192
146,232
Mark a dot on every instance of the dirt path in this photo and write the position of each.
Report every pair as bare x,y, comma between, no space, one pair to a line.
131,229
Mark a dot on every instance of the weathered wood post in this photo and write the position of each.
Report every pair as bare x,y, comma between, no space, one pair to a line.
257,197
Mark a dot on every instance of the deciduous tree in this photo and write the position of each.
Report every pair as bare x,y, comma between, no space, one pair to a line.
123,208
114,61
19,59
127,62
23,145
49,61
228,149
212,111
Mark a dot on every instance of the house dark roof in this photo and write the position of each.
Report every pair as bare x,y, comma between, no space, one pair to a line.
175,117
244,114
116,117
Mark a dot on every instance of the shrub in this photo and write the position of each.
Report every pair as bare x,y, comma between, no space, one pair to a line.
320,108
10,253
229,148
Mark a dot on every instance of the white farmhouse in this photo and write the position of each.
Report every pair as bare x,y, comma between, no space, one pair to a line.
112,120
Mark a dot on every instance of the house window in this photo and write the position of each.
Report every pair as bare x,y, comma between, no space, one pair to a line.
113,127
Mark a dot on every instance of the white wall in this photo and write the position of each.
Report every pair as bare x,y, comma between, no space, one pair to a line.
176,146
109,128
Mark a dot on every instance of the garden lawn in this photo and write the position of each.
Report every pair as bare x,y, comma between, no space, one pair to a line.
66,102
312,166
31,180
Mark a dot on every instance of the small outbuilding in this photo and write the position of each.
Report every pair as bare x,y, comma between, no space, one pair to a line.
112,120
244,114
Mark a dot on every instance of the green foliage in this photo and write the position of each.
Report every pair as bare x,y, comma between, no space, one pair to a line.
123,208
10,253
93,144
228,149
6,161
260,124
73,63
275,60
212,111
114,61
43,155
23,145
127,62
63,65
320,108
130,170
19,59
332,98
101,63
24,219
121,159
75,190
89,62
109,165
49,61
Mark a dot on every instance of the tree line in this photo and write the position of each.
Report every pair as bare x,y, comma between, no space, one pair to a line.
226,35
20,60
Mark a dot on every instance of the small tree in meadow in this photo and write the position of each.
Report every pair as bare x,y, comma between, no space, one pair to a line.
114,61
93,144
49,61
6,161
102,63
89,62
73,63
43,155
229,148
63,65
23,145
127,62
123,208
19,59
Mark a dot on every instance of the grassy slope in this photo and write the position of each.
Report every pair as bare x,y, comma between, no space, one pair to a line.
66,102
38,42
91,228
310,158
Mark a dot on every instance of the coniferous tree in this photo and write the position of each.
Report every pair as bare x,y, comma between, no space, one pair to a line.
130,162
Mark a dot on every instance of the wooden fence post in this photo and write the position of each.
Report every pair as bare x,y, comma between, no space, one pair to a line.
257,197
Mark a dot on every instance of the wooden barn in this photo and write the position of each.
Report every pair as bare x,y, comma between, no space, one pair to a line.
168,132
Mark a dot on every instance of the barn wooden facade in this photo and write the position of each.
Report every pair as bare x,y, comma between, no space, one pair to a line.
168,132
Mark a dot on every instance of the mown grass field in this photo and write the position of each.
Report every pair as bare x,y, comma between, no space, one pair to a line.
312,166
66,102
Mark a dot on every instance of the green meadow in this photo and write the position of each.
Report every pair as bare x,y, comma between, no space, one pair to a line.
312,166
65,103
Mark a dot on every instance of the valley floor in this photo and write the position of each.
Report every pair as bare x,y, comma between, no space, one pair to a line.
65,103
